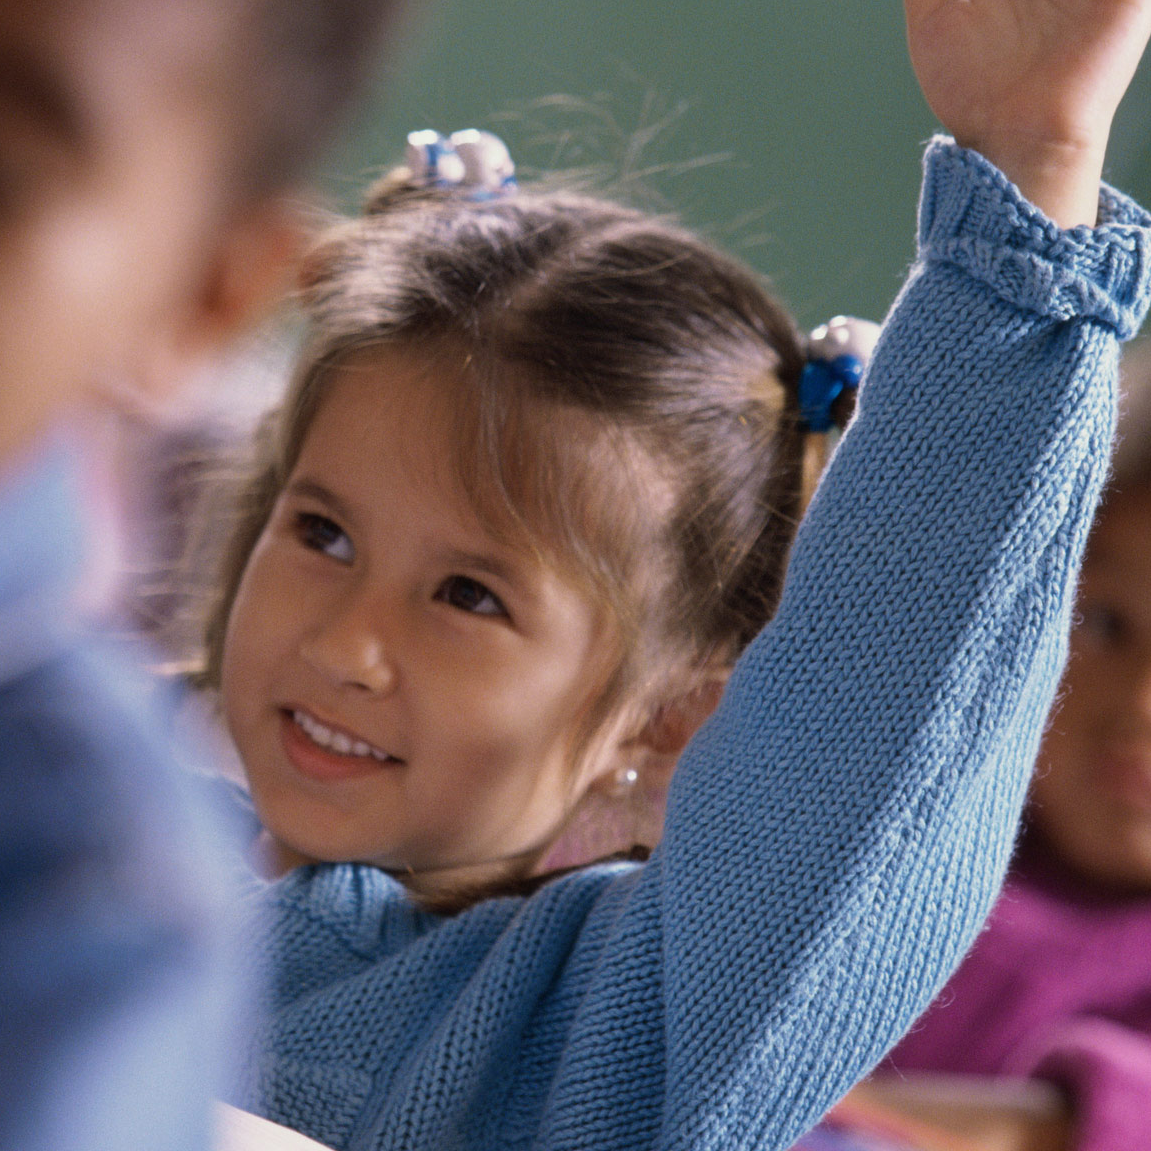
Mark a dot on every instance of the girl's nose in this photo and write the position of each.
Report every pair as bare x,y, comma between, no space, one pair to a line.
349,651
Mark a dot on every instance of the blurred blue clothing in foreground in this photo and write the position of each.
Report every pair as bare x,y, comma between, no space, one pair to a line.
115,981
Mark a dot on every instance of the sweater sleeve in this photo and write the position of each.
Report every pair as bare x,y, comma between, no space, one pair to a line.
838,831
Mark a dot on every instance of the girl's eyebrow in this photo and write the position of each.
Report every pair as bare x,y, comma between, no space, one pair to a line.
483,562
313,490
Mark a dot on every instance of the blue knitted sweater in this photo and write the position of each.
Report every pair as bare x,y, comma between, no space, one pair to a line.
836,833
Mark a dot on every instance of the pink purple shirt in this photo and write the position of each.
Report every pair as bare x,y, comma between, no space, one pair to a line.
1058,987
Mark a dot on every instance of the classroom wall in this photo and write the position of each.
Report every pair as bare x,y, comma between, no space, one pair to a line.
788,131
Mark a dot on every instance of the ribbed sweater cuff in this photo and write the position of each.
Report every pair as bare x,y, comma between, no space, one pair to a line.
972,216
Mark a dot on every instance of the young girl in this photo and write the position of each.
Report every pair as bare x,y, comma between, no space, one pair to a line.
531,495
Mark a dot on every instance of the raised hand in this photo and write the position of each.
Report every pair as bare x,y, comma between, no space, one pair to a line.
1031,84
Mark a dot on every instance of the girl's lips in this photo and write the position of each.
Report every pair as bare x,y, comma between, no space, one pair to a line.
329,763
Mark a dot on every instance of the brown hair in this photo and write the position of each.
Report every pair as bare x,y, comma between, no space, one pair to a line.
573,303
629,403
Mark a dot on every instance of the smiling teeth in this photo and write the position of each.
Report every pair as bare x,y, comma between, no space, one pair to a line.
337,741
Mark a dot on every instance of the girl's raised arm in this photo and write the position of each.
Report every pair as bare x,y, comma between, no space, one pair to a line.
1032,85
837,833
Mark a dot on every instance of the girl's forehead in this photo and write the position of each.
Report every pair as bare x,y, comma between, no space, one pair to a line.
391,405
385,436
378,424
509,466
544,479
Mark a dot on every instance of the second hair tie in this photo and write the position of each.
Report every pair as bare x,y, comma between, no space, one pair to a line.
838,353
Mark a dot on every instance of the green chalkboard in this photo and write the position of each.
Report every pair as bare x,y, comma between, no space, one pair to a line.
789,132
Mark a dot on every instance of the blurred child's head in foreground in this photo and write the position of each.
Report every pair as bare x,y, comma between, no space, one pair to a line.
147,147
530,495
1091,796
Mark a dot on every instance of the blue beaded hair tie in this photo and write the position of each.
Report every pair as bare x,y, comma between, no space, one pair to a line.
471,160
837,355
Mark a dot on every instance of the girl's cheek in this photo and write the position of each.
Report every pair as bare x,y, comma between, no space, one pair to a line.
258,618
491,659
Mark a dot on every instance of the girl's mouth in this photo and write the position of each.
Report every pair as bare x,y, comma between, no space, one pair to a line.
322,751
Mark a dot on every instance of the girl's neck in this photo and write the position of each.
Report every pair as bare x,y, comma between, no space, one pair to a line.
273,859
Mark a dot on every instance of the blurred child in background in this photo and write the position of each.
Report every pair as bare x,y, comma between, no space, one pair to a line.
148,153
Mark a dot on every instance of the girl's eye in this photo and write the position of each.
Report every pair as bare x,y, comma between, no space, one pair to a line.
469,595
321,534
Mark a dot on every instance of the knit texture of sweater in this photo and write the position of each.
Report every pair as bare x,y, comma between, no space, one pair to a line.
837,832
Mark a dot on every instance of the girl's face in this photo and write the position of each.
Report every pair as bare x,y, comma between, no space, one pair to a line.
1092,791
403,688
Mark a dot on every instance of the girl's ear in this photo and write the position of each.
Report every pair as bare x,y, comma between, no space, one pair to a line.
650,753
670,729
